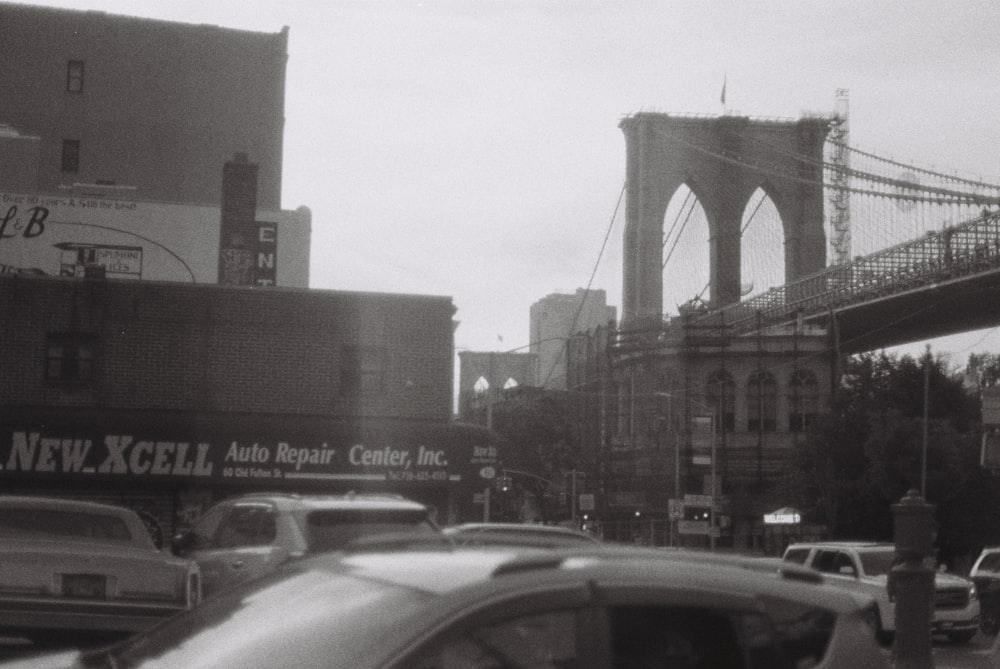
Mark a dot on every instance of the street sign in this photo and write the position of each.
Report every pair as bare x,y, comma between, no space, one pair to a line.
692,527
698,500
587,502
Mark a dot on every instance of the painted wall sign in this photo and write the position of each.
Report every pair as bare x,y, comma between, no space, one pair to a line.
148,240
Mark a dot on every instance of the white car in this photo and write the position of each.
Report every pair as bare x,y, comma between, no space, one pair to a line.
79,570
864,567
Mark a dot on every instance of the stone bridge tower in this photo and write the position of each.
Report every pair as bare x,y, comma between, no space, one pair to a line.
723,160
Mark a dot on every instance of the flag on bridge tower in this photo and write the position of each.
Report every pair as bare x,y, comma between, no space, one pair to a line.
722,98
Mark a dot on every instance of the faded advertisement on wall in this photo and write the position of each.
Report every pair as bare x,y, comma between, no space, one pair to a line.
130,239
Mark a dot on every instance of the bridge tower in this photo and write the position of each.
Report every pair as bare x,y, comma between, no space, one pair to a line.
723,160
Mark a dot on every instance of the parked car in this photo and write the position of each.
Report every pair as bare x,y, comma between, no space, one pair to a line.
526,534
72,569
244,537
864,566
985,573
592,607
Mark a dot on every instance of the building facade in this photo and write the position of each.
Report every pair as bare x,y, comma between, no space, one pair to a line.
660,416
137,109
168,396
555,318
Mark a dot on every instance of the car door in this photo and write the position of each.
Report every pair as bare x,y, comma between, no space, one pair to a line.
234,543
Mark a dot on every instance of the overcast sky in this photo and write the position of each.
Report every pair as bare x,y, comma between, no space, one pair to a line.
471,148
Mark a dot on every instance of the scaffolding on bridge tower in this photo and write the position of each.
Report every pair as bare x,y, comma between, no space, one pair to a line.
840,193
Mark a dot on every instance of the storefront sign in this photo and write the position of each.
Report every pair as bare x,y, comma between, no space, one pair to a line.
447,454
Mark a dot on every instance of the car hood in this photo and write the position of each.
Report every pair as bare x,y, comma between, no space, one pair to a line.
945,580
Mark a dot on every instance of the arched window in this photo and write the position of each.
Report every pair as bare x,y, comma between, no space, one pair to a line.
762,403
720,396
803,400
481,386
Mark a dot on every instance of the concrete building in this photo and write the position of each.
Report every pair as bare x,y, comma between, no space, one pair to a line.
557,317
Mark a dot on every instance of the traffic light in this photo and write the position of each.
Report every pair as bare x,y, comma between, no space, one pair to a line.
503,483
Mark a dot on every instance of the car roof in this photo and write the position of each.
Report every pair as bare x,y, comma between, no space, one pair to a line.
346,501
496,568
514,527
61,504
859,545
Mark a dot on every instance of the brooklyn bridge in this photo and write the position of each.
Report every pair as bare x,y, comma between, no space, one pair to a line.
709,401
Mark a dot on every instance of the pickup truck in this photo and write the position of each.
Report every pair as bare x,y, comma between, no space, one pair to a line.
864,566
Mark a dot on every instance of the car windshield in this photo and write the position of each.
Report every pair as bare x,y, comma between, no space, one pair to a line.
300,617
29,523
334,529
877,563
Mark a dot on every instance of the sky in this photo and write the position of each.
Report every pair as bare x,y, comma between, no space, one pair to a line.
471,149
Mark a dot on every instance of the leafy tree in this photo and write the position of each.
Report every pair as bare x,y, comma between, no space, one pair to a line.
537,440
864,457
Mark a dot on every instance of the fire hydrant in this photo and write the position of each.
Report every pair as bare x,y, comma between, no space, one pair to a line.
911,582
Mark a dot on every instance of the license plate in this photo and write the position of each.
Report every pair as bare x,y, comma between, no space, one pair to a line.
85,586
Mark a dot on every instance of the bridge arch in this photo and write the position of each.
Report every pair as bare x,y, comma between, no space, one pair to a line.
723,160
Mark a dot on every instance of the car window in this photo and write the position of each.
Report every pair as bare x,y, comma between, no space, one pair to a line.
834,562
55,523
797,555
540,641
990,562
330,530
248,525
877,563
803,632
202,534
680,638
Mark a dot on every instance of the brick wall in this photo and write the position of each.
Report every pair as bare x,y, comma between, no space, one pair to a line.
187,347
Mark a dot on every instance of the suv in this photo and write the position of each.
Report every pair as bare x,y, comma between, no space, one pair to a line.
864,566
244,537
986,575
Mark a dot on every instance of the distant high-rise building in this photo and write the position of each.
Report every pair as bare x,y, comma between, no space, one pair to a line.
554,319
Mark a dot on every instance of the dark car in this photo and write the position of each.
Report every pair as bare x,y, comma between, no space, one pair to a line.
523,534
592,607
244,537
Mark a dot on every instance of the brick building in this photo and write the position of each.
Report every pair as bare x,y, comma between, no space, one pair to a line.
166,396
133,107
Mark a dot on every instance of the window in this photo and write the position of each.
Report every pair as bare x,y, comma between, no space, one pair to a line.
655,636
69,358
362,370
74,76
541,641
804,400
248,525
762,403
71,155
720,396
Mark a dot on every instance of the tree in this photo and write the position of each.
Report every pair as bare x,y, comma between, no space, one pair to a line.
868,452
536,439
